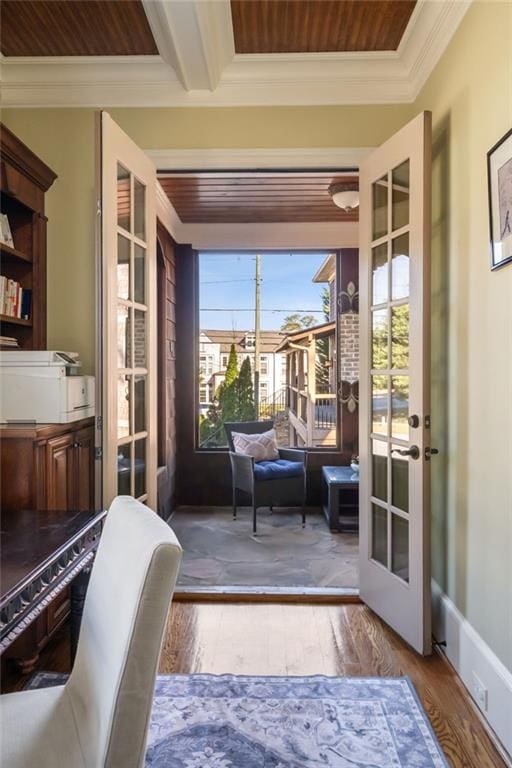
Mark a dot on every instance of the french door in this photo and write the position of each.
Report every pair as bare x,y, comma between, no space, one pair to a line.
128,323
394,429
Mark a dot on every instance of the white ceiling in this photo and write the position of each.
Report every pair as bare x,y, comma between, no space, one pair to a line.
198,66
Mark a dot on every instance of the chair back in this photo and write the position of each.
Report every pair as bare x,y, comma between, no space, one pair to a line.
112,683
246,428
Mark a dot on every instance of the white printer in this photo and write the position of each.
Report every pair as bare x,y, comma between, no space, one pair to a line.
44,387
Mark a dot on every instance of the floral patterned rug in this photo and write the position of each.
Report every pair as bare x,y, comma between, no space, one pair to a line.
231,721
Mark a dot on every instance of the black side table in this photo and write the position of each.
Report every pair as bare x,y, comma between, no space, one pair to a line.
340,490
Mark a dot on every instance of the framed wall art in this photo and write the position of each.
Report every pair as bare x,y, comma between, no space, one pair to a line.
499,175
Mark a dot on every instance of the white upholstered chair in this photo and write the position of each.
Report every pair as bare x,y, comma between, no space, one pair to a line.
100,718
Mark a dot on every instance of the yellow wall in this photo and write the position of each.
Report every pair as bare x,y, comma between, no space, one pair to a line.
65,141
64,138
470,95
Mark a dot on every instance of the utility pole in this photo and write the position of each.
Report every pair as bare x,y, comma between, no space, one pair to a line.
257,337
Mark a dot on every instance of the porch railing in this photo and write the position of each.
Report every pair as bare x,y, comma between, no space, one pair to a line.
272,405
312,415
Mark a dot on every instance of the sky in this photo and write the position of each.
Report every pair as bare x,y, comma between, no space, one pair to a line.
227,283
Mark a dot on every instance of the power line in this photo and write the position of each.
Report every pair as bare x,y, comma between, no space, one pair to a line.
251,309
214,282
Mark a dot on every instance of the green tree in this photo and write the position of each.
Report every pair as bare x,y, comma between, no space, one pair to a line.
399,347
296,322
227,393
245,392
322,364
326,303
323,348
232,369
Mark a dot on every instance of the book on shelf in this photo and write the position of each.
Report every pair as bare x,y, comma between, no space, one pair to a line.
8,341
5,230
15,301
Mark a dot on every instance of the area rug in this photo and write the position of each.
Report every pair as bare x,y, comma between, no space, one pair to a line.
231,721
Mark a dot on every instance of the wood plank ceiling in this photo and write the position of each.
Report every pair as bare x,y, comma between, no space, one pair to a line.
307,26
246,197
83,28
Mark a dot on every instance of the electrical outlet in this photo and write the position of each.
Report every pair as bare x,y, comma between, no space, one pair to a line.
479,692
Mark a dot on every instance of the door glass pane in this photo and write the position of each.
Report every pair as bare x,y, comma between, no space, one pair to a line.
123,267
380,207
124,470
123,197
380,396
123,406
379,534
139,209
139,274
139,393
400,547
380,338
380,470
400,480
400,267
380,274
400,336
140,468
400,208
139,339
124,337
400,407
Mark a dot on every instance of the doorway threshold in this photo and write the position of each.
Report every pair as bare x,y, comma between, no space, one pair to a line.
268,594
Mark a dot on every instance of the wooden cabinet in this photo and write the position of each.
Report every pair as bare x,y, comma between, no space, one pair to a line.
45,466
61,474
84,469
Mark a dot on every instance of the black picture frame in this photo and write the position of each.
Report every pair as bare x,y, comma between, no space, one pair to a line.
499,160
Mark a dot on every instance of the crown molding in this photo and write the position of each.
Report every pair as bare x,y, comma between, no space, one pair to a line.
257,158
426,40
197,66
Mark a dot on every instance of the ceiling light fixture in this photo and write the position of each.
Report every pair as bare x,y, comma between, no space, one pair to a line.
345,194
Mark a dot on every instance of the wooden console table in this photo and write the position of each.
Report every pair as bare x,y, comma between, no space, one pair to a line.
41,554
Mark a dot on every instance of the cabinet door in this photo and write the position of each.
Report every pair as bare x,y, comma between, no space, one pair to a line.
84,469
61,472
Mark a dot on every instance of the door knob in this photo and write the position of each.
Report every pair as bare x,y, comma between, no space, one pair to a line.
430,452
413,452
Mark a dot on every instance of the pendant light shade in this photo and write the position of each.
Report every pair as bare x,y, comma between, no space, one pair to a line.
345,195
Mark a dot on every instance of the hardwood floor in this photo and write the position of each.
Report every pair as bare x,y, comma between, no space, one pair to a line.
345,640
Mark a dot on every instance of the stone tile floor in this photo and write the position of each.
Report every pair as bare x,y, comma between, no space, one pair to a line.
221,552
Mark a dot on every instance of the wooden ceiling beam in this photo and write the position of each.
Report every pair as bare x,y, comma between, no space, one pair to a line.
194,37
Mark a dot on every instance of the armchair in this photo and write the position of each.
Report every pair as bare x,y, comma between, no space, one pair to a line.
268,483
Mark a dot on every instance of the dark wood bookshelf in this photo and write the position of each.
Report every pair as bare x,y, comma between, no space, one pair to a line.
25,179
14,321
8,254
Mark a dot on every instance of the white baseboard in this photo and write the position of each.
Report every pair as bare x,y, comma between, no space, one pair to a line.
470,656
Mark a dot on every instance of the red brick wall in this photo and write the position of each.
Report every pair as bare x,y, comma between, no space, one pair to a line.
348,329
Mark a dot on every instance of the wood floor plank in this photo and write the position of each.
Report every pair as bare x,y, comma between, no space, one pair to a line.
287,639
